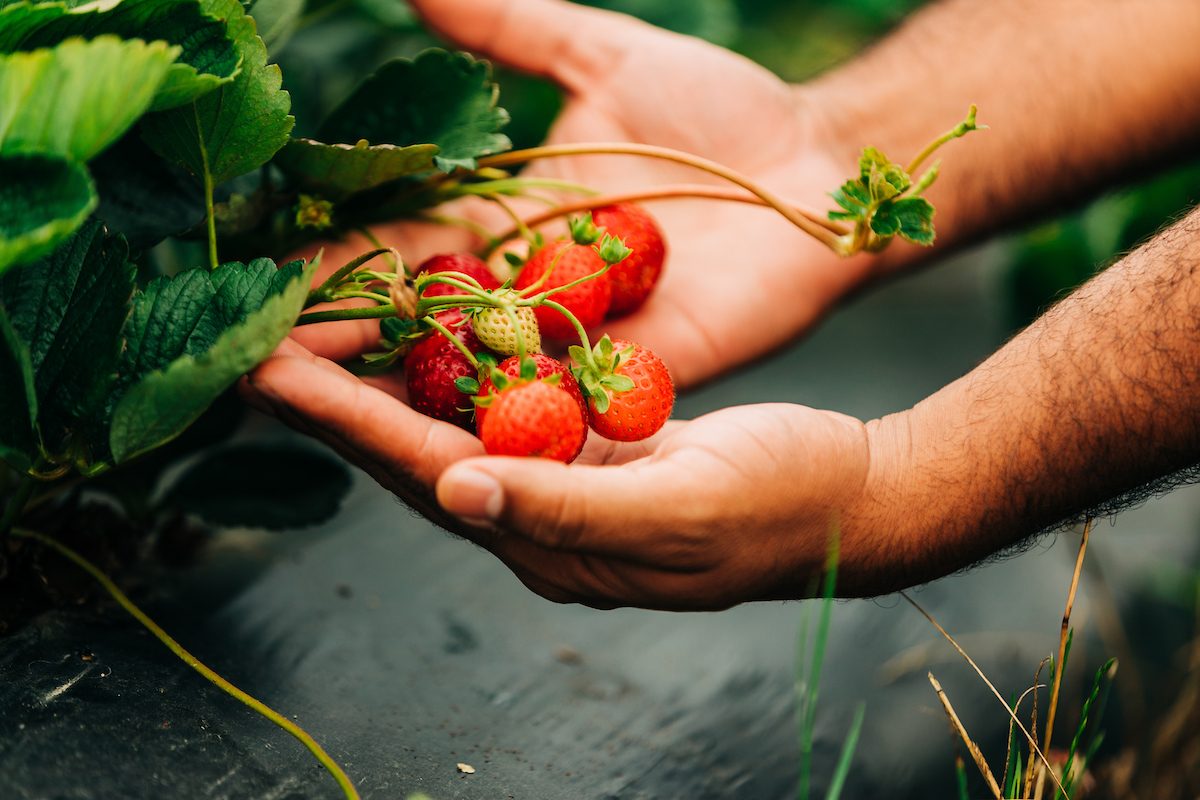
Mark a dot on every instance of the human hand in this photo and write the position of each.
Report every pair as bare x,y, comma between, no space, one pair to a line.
730,266
735,506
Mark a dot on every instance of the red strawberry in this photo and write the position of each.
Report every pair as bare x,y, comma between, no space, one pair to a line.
533,419
588,301
631,395
546,368
433,366
456,262
634,278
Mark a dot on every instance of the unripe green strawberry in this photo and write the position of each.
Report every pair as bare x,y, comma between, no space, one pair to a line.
494,327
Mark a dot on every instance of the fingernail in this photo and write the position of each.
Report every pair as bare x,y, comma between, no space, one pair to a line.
473,496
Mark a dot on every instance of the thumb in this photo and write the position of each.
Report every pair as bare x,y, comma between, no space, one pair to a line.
568,43
608,510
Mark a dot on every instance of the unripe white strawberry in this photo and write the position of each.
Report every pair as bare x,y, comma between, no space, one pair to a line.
494,327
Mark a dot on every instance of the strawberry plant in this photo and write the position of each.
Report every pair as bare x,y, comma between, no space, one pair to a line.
130,123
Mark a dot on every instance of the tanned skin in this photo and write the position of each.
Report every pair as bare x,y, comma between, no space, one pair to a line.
1098,397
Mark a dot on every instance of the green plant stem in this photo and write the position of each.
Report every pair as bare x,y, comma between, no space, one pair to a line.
671,192
557,289
580,331
545,276
522,229
454,340
957,132
16,504
467,224
516,187
344,314
394,255
814,228
324,292
209,189
351,294
254,704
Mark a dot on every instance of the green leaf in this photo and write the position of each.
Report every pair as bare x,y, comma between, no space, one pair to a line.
79,97
207,56
18,400
274,486
42,200
910,217
187,313
69,309
169,398
277,19
340,170
236,128
441,98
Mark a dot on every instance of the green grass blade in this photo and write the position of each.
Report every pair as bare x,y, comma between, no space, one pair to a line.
808,722
1012,789
847,756
1069,777
960,772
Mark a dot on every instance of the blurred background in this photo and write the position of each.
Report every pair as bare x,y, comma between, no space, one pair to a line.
405,651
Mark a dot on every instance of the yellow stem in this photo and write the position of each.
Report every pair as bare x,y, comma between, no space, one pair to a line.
123,600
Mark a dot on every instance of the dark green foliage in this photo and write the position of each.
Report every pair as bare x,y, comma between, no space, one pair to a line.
42,199
440,98
207,57
68,310
239,126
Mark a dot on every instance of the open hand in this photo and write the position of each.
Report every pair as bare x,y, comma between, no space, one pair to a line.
738,505
740,280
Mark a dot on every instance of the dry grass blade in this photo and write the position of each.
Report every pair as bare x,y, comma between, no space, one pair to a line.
1028,736
1016,710
972,748
1060,667
1027,783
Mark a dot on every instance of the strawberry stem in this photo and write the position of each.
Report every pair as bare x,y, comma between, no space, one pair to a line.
541,281
395,259
324,292
344,314
957,132
454,340
584,341
816,229
515,187
672,192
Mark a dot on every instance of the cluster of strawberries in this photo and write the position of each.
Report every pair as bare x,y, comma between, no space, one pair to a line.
482,365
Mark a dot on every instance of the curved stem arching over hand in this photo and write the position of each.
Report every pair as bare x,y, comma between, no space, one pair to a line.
817,230
683,191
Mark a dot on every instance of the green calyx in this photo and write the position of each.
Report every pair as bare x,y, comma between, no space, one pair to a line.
501,380
596,372
585,232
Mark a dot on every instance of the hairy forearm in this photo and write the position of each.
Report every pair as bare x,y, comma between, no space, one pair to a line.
1079,94
1099,396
